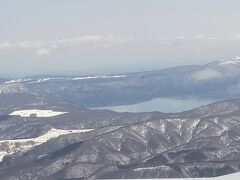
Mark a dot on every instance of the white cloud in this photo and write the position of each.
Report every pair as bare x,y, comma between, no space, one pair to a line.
5,45
206,74
42,52
198,41
46,47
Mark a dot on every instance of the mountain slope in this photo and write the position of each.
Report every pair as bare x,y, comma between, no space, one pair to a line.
170,145
216,80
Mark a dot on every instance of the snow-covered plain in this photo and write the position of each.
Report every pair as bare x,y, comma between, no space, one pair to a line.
23,145
37,113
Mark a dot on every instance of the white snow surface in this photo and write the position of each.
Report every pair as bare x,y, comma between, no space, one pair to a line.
37,113
17,81
232,61
98,77
12,88
236,58
42,80
23,145
235,176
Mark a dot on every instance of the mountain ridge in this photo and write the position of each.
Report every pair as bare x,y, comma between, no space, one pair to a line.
202,142
174,145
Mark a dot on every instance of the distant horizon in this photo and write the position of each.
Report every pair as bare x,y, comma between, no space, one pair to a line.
100,72
61,73
65,73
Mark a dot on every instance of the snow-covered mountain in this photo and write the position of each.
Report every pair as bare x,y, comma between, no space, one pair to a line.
215,80
13,88
219,69
105,144
46,131
225,65
42,79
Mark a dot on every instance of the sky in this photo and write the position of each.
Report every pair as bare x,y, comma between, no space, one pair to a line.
103,37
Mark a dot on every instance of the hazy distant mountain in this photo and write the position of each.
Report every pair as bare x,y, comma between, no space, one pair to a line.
218,80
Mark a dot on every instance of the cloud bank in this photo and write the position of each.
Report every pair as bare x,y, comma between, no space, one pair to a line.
46,47
41,48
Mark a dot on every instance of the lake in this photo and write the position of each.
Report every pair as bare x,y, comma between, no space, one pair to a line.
166,105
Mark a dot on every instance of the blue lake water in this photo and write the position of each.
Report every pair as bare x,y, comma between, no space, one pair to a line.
166,105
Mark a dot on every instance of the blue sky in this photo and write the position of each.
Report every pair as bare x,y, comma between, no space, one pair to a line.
93,36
